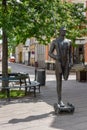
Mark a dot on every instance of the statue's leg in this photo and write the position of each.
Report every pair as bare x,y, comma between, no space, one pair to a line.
59,86
66,72
58,72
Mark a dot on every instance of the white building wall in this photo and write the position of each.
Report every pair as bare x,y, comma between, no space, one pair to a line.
41,55
0,52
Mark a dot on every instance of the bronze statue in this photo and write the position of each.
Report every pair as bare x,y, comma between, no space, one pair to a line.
60,51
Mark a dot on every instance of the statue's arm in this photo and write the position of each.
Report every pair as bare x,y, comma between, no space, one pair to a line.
52,48
70,55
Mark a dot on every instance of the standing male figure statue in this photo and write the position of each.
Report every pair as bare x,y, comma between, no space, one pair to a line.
62,46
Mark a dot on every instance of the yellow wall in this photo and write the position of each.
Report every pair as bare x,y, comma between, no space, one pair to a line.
19,52
32,56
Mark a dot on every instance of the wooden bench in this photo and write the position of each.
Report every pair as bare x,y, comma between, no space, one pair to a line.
15,77
24,82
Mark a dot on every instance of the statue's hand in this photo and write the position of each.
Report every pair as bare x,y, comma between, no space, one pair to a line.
57,58
70,65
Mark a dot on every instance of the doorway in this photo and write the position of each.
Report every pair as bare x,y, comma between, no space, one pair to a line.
79,54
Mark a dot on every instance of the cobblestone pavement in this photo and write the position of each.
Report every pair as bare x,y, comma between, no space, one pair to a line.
31,113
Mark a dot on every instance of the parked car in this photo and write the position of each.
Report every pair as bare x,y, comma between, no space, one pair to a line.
12,59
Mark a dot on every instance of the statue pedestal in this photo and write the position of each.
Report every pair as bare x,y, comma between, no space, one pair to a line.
69,108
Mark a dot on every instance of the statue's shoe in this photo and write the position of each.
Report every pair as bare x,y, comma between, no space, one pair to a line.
61,104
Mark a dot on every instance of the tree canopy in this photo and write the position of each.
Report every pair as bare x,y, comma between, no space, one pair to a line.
41,19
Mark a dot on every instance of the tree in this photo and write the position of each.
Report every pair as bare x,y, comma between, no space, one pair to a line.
41,19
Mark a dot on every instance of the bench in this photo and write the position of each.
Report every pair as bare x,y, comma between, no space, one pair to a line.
15,77
24,81
32,85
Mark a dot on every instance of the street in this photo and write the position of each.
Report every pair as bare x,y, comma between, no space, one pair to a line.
16,67
50,75
30,113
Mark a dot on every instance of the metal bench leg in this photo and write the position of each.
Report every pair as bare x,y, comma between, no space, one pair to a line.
29,89
25,90
34,91
8,94
39,88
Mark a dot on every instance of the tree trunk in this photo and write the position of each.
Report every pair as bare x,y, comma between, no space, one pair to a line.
4,48
4,59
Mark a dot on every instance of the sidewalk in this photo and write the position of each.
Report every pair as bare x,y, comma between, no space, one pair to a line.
31,113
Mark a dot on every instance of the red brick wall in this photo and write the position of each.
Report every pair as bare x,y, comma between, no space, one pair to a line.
46,52
85,52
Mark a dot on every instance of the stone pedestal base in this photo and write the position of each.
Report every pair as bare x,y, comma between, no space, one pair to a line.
69,108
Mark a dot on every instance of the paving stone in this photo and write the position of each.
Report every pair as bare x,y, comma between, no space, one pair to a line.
31,113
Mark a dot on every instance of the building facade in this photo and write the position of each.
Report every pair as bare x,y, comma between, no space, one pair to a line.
37,53
31,54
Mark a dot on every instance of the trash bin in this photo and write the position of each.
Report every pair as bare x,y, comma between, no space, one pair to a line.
47,66
41,76
81,76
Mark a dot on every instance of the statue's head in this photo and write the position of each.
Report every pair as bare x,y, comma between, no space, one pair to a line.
62,31
63,28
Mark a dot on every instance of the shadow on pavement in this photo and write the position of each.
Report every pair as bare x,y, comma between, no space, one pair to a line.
30,118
